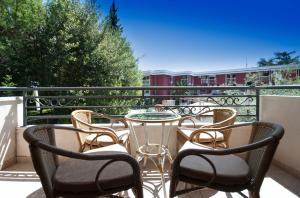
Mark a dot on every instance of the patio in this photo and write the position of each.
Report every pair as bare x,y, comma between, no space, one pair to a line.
283,178
21,176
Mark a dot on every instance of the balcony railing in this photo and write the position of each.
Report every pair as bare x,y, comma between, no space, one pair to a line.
230,81
54,104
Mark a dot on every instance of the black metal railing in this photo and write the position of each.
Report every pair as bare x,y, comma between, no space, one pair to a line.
54,104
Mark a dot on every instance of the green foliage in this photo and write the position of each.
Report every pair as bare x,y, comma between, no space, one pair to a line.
181,91
285,58
115,65
279,77
280,58
72,35
251,79
19,20
263,62
112,20
64,43
7,81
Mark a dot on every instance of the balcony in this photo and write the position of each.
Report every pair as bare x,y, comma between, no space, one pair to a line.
53,104
230,81
208,82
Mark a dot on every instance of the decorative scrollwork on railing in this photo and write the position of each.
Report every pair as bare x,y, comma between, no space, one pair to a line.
230,100
183,110
51,102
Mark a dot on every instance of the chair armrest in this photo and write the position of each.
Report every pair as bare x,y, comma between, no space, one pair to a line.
186,118
111,118
67,153
202,152
111,156
123,158
206,128
98,130
234,150
195,136
198,115
213,128
94,130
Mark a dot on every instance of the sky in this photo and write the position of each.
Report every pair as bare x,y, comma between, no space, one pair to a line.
207,35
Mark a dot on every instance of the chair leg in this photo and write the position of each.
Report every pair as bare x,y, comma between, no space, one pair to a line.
82,147
173,186
128,146
254,194
138,191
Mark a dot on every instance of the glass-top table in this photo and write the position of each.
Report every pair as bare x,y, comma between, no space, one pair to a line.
155,152
153,117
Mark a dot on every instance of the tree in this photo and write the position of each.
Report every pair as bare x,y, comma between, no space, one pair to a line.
64,43
285,58
281,58
263,62
112,20
19,20
114,65
73,34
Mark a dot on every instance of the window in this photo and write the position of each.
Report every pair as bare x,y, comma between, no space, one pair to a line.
146,81
230,79
184,81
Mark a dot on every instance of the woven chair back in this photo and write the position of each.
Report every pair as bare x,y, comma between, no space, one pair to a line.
260,159
44,162
224,117
82,119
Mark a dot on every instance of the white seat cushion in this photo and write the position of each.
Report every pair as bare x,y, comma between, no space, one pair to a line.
113,147
193,145
204,138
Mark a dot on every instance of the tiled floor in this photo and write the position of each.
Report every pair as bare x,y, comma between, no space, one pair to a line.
20,181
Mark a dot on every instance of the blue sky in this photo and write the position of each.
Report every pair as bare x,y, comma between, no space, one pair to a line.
205,35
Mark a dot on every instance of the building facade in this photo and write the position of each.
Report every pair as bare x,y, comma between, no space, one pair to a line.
233,77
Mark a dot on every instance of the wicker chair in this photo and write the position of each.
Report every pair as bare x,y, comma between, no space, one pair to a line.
101,171
222,169
99,136
221,117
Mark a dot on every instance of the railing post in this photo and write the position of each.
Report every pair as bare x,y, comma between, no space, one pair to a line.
25,107
143,94
257,93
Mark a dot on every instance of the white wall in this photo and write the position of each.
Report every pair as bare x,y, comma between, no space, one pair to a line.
64,139
284,110
11,115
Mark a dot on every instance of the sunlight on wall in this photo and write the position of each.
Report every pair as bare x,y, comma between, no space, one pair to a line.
10,116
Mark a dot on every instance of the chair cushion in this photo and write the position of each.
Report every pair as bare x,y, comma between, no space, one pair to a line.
106,140
78,176
186,132
231,169
112,147
193,145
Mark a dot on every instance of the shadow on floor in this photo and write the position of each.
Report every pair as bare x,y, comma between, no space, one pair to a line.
23,178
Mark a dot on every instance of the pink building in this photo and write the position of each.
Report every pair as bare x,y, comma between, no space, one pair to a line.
231,77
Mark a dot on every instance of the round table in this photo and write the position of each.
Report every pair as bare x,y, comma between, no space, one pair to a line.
156,152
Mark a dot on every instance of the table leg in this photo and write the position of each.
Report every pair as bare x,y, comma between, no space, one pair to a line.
169,156
162,165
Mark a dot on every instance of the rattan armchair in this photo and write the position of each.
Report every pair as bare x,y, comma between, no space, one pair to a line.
102,171
222,169
221,117
99,136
